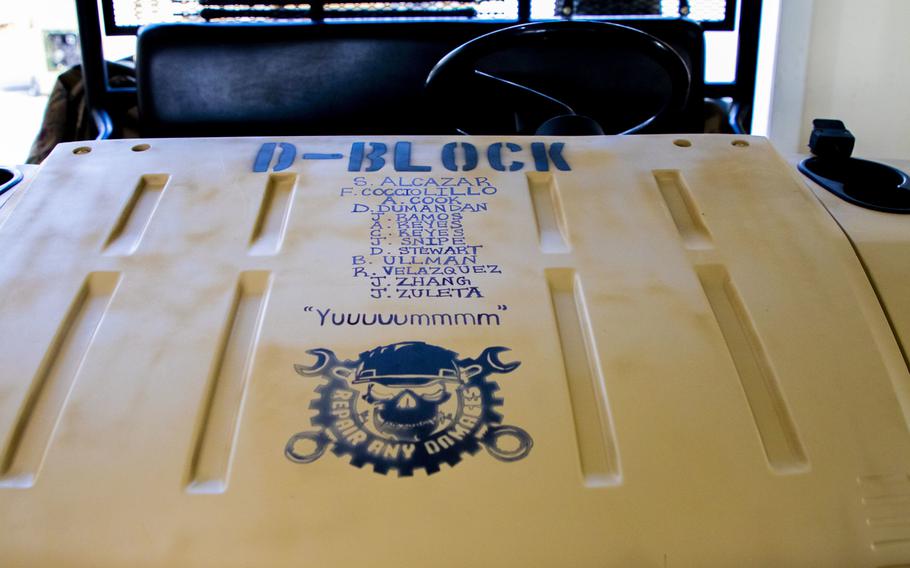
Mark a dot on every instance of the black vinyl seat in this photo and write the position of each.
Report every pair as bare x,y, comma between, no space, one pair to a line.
326,78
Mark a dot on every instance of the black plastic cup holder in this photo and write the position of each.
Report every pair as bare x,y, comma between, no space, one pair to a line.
868,184
8,178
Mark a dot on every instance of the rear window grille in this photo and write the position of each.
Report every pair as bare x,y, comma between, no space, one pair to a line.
125,16
704,11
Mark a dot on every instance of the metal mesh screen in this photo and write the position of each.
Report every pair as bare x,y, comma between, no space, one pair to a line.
134,13
710,10
129,14
705,11
618,7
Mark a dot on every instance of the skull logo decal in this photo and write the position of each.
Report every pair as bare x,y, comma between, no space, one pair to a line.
407,406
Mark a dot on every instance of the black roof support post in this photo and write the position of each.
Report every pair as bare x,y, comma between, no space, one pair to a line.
94,69
747,57
524,11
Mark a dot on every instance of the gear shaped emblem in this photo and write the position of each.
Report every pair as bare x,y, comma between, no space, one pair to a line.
407,406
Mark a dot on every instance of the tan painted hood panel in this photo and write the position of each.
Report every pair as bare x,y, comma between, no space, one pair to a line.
196,358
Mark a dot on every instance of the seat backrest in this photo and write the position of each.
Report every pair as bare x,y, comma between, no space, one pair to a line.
312,79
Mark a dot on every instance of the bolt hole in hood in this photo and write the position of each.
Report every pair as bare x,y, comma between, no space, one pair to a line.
615,351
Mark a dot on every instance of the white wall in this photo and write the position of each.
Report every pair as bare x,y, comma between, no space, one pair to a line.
781,82
851,60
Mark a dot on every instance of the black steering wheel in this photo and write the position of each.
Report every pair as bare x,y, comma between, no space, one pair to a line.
563,77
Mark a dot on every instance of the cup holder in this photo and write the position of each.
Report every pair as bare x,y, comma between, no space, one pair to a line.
8,178
868,184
